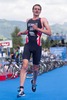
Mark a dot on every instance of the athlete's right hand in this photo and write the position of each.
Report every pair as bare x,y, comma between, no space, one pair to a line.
19,34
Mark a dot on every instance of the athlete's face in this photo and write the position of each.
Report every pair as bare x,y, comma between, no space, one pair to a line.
36,11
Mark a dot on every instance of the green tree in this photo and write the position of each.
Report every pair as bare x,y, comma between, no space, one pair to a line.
47,43
17,40
43,42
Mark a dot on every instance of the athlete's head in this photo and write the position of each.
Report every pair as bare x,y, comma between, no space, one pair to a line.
36,9
40,8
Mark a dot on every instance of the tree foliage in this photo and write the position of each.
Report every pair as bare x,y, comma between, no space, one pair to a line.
49,43
17,40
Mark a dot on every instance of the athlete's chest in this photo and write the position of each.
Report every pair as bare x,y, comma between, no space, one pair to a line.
36,22
31,23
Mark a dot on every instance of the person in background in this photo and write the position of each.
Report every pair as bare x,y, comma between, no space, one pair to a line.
17,59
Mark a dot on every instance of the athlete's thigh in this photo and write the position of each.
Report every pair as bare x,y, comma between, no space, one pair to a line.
37,55
26,52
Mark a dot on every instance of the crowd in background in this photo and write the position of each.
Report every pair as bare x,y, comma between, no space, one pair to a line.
49,61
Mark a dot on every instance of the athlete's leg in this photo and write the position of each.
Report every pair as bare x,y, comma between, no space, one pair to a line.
23,72
35,73
36,60
22,78
26,57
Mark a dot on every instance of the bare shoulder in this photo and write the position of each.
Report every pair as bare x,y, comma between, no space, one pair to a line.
44,20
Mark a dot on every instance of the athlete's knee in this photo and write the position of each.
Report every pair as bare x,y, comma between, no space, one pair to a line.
25,65
24,68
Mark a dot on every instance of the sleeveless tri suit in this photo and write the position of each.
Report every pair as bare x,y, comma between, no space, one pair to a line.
33,41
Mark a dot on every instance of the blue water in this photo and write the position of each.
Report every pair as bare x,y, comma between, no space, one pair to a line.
50,86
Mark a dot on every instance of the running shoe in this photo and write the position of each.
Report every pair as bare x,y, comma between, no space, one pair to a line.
33,86
20,92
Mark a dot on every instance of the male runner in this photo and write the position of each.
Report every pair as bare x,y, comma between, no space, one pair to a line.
35,27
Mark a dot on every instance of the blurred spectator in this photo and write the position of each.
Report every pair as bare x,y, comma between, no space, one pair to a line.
12,55
17,58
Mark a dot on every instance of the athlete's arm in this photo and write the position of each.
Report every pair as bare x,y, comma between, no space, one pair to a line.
22,33
45,25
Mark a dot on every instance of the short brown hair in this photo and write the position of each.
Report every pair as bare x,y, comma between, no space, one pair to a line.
37,5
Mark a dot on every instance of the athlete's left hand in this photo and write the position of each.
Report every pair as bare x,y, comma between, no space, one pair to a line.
35,27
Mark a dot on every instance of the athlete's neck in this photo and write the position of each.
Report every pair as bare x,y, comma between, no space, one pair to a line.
35,17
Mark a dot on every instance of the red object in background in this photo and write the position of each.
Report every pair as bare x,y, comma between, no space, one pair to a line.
9,75
2,77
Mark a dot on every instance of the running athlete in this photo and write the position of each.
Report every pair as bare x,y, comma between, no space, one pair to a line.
35,27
